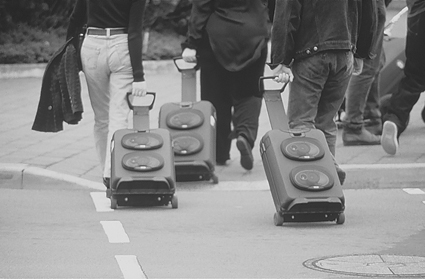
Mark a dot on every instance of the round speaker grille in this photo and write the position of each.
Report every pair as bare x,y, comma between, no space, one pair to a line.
187,144
302,149
185,119
142,141
143,162
311,178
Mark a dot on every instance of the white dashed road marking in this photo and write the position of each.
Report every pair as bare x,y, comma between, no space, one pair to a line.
115,232
130,267
101,202
414,191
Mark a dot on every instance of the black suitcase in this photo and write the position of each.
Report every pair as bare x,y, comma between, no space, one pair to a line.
300,169
142,169
192,125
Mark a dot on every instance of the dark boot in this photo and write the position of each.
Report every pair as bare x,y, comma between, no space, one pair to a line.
356,134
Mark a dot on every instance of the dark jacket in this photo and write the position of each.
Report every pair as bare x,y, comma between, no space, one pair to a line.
302,28
237,30
60,98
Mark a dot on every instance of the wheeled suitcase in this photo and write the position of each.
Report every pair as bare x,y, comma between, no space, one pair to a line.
142,169
300,169
192,125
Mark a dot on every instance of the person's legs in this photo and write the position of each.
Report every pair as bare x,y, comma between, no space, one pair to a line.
333,94
411,86
96,71
215,89
247,108
361,88
354,132
120,83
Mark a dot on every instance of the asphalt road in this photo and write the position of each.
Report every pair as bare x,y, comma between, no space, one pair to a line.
70,232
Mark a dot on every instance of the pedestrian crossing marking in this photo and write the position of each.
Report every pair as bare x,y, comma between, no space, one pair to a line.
414,191
101,202
130,267
115,232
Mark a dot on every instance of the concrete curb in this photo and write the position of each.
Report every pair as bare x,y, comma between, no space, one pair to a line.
368,176
37,70
21,176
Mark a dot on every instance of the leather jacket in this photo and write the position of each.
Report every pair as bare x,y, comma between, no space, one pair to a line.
302,28
60,96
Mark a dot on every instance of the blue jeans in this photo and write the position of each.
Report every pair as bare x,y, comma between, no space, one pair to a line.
318,90
413,83
367,83
109,76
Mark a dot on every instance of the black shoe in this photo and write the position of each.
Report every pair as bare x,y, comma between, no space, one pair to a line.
107,182
247,160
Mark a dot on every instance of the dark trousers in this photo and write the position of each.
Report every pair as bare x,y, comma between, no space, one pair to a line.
235,98
413,83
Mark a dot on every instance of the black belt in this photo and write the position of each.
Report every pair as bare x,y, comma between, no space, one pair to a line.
104,32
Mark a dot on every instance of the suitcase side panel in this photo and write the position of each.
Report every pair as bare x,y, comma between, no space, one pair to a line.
207,131
278,168
164,175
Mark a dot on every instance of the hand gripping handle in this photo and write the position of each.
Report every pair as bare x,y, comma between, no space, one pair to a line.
130,104
262,88
181,69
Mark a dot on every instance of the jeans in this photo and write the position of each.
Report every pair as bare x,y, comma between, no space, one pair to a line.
413,83
363,89
318,90
107,68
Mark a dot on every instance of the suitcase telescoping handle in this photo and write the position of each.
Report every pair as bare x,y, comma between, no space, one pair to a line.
182,65
274,104
188,71
130,104
141,121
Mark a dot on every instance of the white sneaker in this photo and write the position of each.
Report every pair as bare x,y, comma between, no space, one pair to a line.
389,140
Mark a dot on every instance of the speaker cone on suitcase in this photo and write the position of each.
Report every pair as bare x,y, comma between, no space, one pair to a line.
142,141
143,162
185,119
311,178
302,149
187,143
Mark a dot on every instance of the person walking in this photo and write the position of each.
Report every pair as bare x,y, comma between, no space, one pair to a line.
412,84
111,57
228,38
313,45
364,87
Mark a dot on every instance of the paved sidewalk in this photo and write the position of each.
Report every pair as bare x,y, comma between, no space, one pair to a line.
70,154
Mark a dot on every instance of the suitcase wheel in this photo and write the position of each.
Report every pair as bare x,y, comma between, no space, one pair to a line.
142,141
187,144
341,219
278,219
114,203
136,161
214,178
311,178
185,119
174,202
305,149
